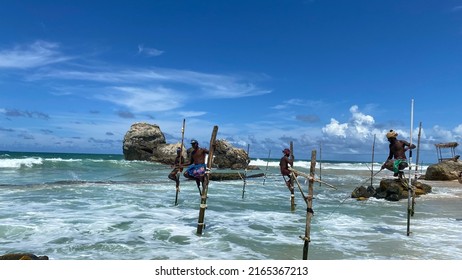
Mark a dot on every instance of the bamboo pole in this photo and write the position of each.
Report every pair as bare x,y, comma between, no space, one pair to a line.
180,162
372,162
292,195
266,170
205,183
416,169
245,171
309,207
418,152
320,163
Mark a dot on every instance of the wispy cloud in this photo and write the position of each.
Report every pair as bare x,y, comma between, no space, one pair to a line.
208,85
457,8
298,102
37,54
149,51
43,53
126,115
28,114
142,99
308,118
6,129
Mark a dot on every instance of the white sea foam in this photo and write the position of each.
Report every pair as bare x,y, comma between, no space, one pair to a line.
20,162
325,165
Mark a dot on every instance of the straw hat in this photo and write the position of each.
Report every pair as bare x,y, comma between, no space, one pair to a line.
392,134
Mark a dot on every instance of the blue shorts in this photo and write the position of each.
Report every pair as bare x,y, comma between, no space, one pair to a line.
196,170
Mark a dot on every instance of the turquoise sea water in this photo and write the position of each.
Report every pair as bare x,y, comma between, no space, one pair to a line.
78,206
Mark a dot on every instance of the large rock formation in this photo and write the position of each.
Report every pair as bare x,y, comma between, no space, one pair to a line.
227,156
390,189
447,170
146,142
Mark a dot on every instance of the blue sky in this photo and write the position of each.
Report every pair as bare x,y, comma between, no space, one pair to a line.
75,75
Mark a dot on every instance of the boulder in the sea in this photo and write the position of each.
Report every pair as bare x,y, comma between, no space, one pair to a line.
363,192
22,256
141,140
391,189
227,156
146,142
447,170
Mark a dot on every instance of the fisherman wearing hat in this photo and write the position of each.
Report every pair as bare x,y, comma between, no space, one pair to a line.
197,168
396,160
177,168
284,163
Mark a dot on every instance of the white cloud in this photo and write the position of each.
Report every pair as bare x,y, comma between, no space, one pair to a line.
192,114
37,54
360,126
458,129
334,128
359,119
144,100
208,85
149,51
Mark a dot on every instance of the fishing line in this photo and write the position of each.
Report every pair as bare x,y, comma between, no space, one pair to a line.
349,196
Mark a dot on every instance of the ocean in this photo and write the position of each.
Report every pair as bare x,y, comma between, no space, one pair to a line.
101,207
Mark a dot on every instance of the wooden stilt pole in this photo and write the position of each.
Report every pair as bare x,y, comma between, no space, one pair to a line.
416,168
266,170
309,207
320,163
292,195
245,171
418,152
410,189
372,162
180,163
205,183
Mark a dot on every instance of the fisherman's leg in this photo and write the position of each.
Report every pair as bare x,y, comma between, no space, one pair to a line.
198,183
290,185
172,175
177,181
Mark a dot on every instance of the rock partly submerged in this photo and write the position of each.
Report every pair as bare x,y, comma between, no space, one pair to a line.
391,189
22,256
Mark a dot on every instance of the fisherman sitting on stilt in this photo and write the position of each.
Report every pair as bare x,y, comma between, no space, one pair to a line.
287,160
198,168
177,168
396,160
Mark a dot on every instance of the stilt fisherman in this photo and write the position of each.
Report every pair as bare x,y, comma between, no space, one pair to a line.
286,160
397,160
197,168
